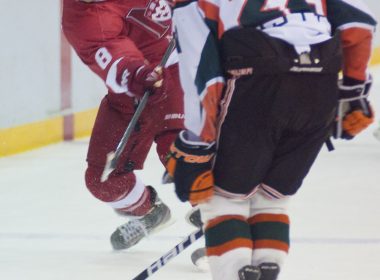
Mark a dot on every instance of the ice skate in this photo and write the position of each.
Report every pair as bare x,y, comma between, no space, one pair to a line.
200,260
198,257
166,178
136,229
269,271
249,272
193,217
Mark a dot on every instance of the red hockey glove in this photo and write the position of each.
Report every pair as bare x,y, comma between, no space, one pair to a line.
354,111
190,164
148,77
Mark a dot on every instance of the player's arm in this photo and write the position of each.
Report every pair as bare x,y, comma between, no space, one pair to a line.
356,26
99,43
195,24
190,161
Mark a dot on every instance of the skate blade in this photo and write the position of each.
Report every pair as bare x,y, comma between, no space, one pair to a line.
200,260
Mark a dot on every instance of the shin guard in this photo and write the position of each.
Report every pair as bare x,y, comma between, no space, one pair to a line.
229,246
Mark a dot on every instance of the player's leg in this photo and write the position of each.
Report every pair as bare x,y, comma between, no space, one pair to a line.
228,237
248,151
245,151
130,233
269,224
123,191
160,121
297,146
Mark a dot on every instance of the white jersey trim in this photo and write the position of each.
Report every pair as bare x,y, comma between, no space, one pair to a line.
131,198
264,189
111,81
357,24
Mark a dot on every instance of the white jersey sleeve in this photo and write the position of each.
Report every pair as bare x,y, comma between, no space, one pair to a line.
200,68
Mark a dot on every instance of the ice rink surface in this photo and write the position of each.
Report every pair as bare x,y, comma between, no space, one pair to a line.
51,228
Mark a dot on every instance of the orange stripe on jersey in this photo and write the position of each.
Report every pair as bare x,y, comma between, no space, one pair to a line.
212,12
281,218
210,104
271,244
324,7
229,246
356,43
171,165
221,219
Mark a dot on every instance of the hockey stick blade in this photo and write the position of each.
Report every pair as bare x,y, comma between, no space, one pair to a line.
190,239
109,167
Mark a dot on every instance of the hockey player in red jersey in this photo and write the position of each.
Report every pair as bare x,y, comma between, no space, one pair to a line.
123,41
261,98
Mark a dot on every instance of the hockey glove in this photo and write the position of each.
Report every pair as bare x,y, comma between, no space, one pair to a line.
190,165
354,111
148,77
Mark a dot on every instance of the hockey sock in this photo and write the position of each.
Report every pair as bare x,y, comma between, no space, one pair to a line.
270,236
229,245
141,207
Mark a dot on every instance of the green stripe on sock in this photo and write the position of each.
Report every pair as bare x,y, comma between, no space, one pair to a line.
270,230
226,231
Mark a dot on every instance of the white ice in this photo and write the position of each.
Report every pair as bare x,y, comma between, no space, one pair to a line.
51,228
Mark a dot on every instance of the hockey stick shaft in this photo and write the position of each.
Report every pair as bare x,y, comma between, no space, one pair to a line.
113,157
190,239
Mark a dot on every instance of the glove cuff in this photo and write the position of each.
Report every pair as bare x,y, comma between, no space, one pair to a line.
190,151
189,141
351,89
348,81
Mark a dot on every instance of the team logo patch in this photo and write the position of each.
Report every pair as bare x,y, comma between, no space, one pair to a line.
158,10
154,18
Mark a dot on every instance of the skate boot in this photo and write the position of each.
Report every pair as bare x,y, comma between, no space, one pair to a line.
249,272
193,217
166,178
269,271
198,257
129,234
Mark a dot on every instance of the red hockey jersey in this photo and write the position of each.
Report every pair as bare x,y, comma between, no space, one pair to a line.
114,37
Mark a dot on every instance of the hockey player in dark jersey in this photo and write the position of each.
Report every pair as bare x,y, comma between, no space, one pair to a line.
261,98
123,41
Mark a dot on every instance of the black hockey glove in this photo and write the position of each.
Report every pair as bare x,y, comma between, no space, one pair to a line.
354,111
190,165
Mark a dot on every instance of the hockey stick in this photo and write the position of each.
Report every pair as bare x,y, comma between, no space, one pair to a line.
190,239
113,157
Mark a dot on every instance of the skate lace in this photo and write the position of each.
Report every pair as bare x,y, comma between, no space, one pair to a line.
132,230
